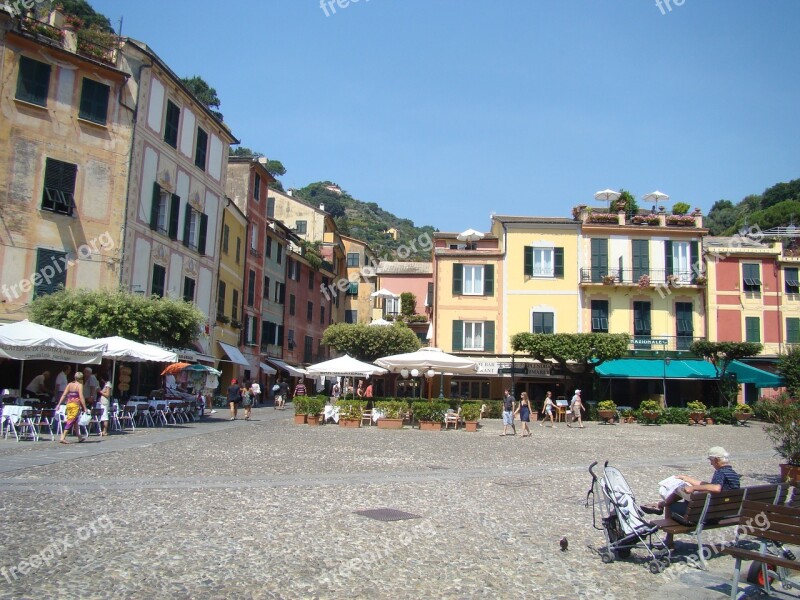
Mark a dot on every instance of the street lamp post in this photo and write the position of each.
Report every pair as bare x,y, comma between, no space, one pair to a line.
667,360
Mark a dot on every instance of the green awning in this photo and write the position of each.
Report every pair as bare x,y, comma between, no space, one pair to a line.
748,374
643,368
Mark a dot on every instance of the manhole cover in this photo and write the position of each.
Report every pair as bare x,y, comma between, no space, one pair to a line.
386,514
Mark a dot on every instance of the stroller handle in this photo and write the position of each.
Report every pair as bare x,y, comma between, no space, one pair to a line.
591,471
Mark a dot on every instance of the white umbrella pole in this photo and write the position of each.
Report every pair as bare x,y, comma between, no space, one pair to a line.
21,370
113,376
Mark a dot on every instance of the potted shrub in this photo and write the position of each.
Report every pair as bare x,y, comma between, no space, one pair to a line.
300,409
742,413
471,412
607,410
393,412
350,412
313,407
784,431
429,415
626,415
697,412
651,411
609,279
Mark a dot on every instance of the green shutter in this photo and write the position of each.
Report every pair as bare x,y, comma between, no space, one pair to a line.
488,336
458,335
488,280
458,279
201,242
528,269
155,206
187,221
668,257
752,329
174,215
599,259
558,262
641,258
695,264
793,330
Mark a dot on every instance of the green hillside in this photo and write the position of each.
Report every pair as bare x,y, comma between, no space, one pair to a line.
368,222
778,206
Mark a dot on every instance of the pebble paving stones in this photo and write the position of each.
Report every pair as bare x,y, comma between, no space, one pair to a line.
268,509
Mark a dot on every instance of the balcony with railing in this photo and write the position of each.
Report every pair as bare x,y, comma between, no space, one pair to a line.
87,42
604,217
643,278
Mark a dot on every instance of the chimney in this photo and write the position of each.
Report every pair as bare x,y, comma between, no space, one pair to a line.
290,193
322,207
262,160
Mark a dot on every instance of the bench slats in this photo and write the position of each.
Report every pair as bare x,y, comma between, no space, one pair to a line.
760,557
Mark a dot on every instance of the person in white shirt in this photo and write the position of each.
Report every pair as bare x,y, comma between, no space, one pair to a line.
255,390
62,379
38,384
90,387
169,382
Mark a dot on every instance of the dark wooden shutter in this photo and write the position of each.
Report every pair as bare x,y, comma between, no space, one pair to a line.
695,265
488,336
641,258
558,262
668,257
458,279
528,269
280,335
599,258
156,205
201,244
458,336
174,215
187,221
792,330
488,280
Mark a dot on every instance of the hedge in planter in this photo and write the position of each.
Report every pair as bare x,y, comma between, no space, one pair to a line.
429,411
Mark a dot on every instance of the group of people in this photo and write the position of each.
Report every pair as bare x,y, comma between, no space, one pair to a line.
79,396
245,394
523,410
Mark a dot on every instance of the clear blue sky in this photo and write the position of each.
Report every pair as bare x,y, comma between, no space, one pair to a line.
443,111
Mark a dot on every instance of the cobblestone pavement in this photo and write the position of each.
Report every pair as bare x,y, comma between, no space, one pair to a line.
266,509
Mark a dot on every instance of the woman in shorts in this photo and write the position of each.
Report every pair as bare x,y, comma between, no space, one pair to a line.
548,409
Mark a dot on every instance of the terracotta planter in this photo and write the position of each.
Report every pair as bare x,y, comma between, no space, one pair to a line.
697,418
312,419
790,473
742,418
300,419
651,416
709,421
471,425
430,426
607,415
385,423
355,423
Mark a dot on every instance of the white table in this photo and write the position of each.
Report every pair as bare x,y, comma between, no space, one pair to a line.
332,412
376,414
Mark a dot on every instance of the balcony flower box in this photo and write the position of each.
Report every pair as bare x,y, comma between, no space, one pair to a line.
645,219
603,218
681,220
609,279
644,281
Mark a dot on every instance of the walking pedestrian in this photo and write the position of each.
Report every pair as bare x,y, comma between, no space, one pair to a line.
234,397
90,386
62,379
73,394
300,389
255,387
283,391
524,412
104,402
547,409
247,399
576,406
509,406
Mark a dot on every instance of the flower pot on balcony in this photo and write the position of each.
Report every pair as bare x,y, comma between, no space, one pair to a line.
651,416
742,417
607,415
697,418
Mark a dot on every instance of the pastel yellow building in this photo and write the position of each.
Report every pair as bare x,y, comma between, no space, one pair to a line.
361,263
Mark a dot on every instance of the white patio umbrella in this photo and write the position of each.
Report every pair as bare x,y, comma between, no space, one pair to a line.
655,197
344,365
384,293
470,235
607,196
30,341
125,350
428,358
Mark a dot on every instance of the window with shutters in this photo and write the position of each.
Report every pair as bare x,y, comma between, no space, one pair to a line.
640,258
235,306
193,230
226,236
322,315
684,325
682,262
271,208
641,319
51,267
751,275
473,335
790,280
599,316
221,289
59,187
311,280
257,187
391,306
308,355
188,289
429,295
280,292
33,81
280,253
201,149
301,227
173,117
238,250
542,322
351,316
158,281
599,249
292,305
309,311
94,101
269,247
792,330
353,259
165,211
543,262
473,280
752,329
251,288
265,291
352,289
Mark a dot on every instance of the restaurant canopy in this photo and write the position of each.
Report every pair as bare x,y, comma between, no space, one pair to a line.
749,374
25,340
119,348
643,368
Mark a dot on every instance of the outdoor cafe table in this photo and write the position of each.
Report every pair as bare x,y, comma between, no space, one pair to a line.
331,412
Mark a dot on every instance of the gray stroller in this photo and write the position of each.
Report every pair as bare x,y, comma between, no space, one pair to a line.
622,521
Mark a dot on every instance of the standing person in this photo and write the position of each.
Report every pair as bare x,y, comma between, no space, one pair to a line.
234,397
284,393
576,406
90,386
509,406
368,391
38,384
62,379
105,404
300,389
547,409
360,388
524,412
336,391
247,399
73,394
255,388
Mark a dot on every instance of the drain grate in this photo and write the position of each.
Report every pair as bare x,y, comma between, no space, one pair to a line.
387,514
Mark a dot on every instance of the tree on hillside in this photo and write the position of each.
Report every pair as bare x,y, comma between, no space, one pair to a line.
318,193
244,152
370,343
204,93
102,313
721,217
781,192
274,167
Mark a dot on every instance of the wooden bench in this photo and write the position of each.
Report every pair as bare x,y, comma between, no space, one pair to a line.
712,511
768,523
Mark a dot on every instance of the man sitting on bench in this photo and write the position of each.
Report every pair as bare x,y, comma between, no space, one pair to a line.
724,478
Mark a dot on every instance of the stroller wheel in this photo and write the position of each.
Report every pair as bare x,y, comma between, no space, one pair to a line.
665,562
655,567
624,553
607,558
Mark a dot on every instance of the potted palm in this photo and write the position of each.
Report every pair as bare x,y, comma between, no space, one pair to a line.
651,411
471,411
607,410
350,412
313,407
393,412
742,413
429,415
784,431
697,412
300,409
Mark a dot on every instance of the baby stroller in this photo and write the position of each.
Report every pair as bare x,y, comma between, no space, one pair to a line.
622,521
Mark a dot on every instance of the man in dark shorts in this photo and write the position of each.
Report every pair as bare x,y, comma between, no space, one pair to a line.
234,397
283,394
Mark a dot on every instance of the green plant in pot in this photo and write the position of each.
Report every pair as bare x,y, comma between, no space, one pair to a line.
607,410
391,409
350,409
784,431
314,406
429,411
697,411
471,411
300,403
651,410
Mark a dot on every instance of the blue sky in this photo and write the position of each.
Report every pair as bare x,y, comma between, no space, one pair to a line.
444,111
